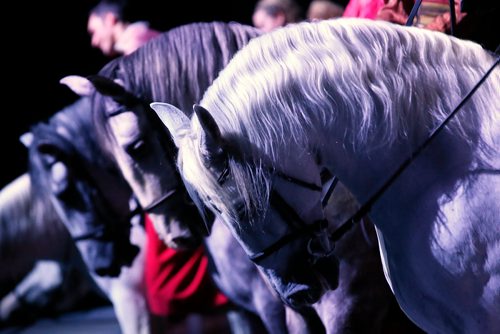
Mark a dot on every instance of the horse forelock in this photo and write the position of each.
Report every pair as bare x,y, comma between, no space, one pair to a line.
251,179
371,77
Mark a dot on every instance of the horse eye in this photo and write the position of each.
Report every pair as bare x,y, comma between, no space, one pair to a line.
137,148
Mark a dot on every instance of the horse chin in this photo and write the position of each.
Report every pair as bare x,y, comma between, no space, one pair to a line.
174,233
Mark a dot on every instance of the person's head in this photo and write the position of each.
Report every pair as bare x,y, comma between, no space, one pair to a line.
271,14
324,9
105,24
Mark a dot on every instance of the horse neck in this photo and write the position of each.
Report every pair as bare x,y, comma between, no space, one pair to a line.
435,172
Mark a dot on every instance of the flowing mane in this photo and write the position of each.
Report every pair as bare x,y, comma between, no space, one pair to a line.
288,89
25,222
178,65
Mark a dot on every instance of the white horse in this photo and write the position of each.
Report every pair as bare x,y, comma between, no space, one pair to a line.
356,98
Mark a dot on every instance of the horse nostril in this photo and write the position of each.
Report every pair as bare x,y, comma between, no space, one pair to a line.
303,298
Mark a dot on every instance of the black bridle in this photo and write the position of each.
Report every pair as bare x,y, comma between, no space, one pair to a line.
104,232
318,228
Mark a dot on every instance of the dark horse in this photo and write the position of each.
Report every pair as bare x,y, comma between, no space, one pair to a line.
71,174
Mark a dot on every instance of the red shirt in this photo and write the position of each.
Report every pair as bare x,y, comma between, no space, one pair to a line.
178,282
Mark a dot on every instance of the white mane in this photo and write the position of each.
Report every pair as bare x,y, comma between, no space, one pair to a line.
21,217
287,89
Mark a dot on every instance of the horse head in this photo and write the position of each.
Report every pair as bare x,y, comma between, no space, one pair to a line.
287,244
92,200
144,153
176,67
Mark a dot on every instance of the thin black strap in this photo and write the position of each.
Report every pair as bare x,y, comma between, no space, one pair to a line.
301,183
453,17
329,192
308,229
160,200
413,13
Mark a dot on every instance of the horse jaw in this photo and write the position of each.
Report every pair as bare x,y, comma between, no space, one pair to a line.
80,85
172,117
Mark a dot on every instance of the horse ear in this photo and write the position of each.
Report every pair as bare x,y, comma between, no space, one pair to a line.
172,117
213,137
80,85
113,89
26,139
106,86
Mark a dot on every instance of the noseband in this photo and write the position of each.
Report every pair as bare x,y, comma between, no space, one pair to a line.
104,232
157,202
316,229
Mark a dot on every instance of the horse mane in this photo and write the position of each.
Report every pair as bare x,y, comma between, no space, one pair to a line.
377,79
23,219
177,66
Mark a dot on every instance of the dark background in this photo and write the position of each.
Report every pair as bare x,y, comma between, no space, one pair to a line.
43,41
